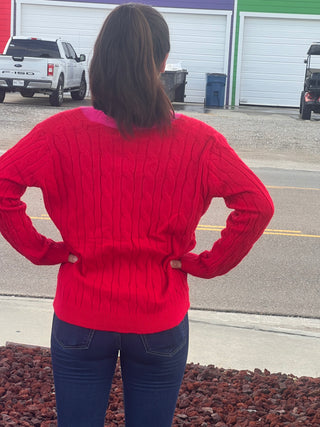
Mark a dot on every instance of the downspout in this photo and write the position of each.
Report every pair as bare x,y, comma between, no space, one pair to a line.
231,70
231,55
235,55
13,18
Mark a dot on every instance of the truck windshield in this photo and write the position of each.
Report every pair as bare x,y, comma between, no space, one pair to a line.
34,48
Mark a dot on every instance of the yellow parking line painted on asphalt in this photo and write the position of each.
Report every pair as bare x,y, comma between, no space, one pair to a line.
220,227
283,231
294,233
292,188
210,227
41,217
205,227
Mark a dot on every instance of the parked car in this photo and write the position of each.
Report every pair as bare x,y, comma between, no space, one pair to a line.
32,65
310,96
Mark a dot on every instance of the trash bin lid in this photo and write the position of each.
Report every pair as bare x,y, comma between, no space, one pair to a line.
216,78
215,74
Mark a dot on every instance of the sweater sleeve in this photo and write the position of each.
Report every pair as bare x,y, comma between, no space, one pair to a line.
20,167
244,193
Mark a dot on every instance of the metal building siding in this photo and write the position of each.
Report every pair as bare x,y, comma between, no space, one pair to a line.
200,39
280,6
271,55
5,19
307,7
223,5
183,4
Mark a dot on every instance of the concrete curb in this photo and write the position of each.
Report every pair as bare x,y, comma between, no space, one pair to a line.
229,340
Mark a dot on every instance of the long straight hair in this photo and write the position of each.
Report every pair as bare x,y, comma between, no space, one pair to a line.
125,69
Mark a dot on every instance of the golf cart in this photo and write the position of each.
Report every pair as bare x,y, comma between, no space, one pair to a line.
310,96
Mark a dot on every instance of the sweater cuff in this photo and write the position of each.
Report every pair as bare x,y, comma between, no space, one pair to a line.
190,264
57,253
197,266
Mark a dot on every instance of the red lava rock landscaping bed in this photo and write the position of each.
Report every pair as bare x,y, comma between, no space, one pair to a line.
209,396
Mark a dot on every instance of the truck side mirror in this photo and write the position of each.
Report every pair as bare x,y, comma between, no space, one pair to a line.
305,61
82,57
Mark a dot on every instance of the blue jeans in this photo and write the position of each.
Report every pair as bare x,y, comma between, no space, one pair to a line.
84,361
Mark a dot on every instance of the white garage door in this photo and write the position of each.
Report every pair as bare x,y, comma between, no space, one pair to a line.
199,39
271,54
201,44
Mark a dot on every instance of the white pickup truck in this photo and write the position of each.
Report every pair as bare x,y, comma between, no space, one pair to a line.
32,65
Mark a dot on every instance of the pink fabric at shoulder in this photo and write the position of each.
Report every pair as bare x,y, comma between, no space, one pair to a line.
98,116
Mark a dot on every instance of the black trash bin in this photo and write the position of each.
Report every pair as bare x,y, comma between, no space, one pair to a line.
215,89
174,83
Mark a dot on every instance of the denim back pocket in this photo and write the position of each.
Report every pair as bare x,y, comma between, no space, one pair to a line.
167,343
71,336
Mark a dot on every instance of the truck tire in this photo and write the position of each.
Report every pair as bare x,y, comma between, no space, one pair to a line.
2,95
56,97
27,93
305,110
78,95
301,100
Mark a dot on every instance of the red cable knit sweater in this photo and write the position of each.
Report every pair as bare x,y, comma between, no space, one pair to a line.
126,208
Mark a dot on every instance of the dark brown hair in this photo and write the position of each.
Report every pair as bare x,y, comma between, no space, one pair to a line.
125,68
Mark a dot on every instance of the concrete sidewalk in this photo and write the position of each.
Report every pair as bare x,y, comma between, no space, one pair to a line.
227,340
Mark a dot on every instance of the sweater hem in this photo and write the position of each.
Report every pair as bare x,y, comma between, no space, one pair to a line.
113,321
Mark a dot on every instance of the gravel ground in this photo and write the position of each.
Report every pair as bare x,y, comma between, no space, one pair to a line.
272,137
208,397
268,137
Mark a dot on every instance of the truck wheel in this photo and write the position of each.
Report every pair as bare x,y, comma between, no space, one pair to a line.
78,95
56,97
305,113
2,95
27,93
301,100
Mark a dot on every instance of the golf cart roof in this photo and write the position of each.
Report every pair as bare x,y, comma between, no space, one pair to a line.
314,49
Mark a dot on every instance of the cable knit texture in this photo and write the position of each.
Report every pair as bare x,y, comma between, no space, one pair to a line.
126,207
